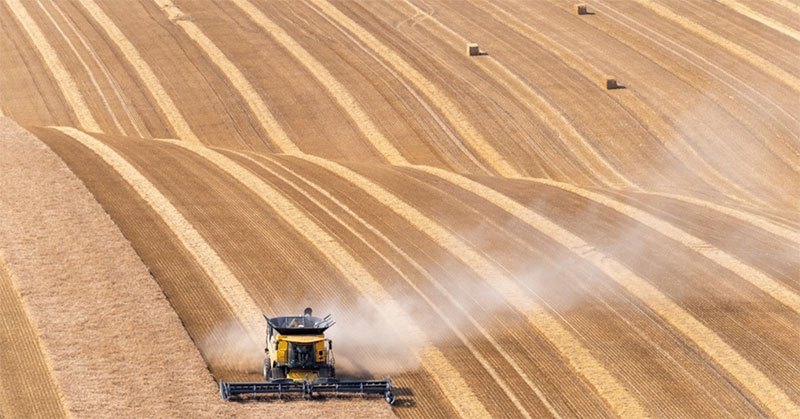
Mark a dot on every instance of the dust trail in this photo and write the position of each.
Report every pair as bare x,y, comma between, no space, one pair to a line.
536,313
62,77
239,353
412,304
448,378
748,376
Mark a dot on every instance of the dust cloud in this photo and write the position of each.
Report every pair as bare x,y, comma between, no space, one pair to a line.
229,347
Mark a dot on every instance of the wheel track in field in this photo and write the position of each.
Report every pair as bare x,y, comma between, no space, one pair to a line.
767,21
27,385
85,66
61,76
123,100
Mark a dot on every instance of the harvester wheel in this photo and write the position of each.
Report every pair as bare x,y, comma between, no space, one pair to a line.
277,373
389,397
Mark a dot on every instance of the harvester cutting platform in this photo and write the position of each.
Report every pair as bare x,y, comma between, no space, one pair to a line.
299,360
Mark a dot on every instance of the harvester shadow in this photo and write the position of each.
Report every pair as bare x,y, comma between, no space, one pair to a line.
618,87
404,398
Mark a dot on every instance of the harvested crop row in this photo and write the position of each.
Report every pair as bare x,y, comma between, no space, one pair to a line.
577,143
757,278
334,87
749,377
260,110
745,54
420,270
538,317
143,70
227,284
457,119
27,385
63,78
431,358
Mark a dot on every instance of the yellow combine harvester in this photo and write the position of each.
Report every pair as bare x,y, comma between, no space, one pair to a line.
299,360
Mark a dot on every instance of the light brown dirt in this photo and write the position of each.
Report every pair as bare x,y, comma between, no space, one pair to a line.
651,270
117,346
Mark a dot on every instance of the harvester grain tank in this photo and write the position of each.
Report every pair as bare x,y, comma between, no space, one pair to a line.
299,360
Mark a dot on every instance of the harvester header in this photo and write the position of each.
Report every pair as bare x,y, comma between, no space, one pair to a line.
299,360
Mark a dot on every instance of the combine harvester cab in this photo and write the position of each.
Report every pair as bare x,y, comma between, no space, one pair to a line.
299,360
